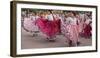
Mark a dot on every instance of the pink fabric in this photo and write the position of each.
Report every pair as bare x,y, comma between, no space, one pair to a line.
41,23
71,32
47,27
30,25
81,26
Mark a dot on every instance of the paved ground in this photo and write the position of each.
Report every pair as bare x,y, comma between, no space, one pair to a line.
30,42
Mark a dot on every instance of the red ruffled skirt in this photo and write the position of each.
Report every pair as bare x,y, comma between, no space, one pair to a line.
87,31
50,28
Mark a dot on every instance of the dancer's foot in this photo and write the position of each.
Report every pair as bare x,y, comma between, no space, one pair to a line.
50,40
78,43
34,35
70,43
36,31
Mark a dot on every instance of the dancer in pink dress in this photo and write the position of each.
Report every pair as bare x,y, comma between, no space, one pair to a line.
29,23
81,23
71,30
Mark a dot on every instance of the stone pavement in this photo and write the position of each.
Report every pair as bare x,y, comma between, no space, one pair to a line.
40,41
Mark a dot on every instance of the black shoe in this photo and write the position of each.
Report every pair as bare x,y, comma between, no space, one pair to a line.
51,40
34,35
78,43
70,43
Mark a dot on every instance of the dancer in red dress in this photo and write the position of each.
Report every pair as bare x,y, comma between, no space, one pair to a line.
57,23
87,29
47,26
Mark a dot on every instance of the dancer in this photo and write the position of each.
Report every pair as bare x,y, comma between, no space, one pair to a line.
87,28
57,22
34,18
29,23
72,32
46,26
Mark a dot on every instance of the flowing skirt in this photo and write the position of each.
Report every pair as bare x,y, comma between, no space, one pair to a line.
30,25
57,26
71,32
47,27
87,31
81,26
